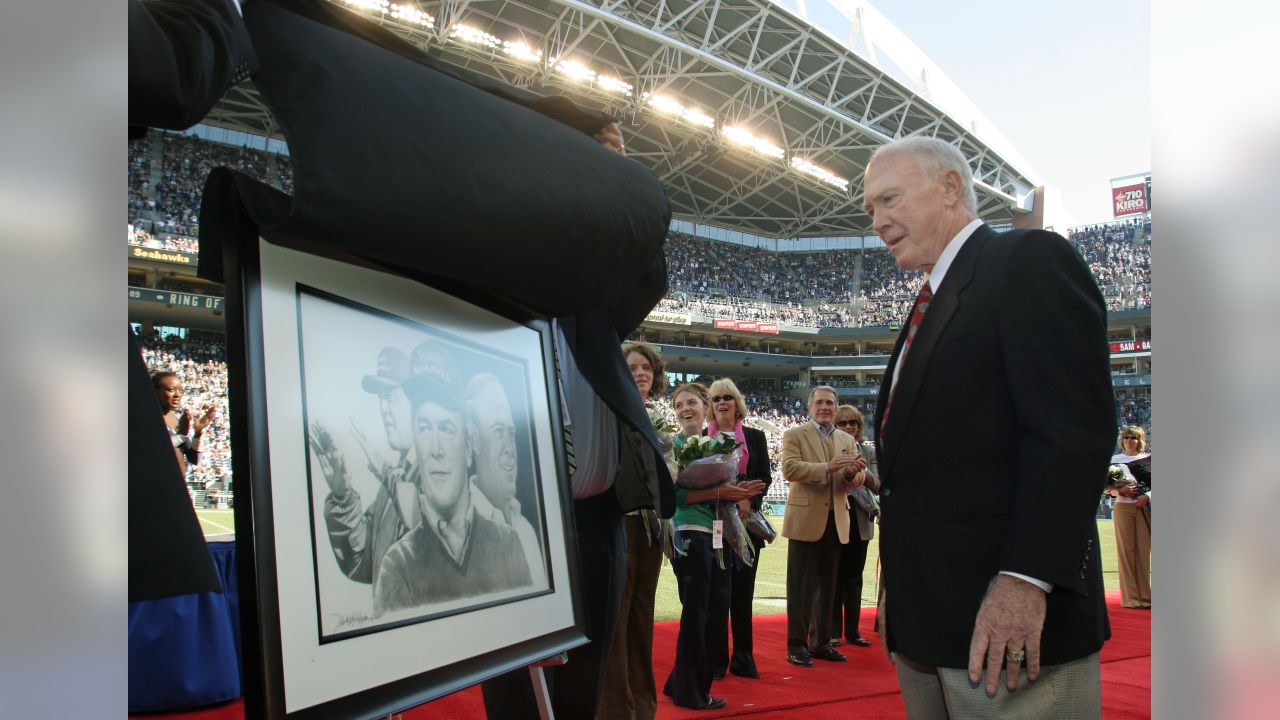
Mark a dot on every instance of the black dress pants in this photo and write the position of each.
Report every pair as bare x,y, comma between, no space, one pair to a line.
741,596
704,595
575,687
811,581
848,600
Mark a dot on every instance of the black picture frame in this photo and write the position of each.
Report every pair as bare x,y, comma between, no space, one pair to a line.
385,667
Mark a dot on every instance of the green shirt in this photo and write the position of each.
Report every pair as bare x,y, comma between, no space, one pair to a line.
696,515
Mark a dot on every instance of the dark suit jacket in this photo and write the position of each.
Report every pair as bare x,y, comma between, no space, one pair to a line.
997,447
757,462
183,55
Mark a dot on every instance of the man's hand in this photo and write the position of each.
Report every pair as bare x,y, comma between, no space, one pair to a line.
379,465
332,465
1009,621
840,462
610,136
857,480
1127,491
1142,501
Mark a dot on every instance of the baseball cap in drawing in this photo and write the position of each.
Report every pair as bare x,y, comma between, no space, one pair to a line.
433,376
393,369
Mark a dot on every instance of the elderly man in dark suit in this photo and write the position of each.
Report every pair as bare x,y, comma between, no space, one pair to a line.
988,536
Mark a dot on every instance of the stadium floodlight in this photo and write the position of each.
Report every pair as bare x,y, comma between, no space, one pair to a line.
575,70
668,105
610,84
665,105
400,12
474,36
412,15
820,173
374,5
520,50
695,116
745,138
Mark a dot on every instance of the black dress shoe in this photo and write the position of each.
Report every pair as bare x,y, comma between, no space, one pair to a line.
746,669
835,642
860,641
713,703
828,654
801,659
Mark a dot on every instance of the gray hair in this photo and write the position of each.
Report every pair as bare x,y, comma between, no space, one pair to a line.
828,388
476,387
936,157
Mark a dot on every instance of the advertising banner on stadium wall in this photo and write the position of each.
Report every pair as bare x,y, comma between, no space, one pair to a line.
671,318
176,299
175,257
1129,199
747,325
1130,346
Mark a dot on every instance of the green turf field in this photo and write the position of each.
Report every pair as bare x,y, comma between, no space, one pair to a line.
771,578
216,522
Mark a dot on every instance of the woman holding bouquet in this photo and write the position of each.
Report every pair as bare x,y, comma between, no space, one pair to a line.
730,408
629,690
1132,521
701,572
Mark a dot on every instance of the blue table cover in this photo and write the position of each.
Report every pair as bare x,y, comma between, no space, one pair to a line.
184,651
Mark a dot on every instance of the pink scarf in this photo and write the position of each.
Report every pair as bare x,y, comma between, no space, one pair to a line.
713,430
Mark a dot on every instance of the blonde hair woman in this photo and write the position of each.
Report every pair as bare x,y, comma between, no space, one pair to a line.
1132,521
729,409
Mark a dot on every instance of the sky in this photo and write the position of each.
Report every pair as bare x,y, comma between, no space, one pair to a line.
1068,83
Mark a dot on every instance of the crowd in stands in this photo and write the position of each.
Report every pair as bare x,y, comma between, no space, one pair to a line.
202,367
1119,254
162,241
831,288
164,191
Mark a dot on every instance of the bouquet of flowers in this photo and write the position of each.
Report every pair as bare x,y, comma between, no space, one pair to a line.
706,462
1118,478
707,453
663,425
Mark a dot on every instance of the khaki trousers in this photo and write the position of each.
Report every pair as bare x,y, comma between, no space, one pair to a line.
1133,550
1070,691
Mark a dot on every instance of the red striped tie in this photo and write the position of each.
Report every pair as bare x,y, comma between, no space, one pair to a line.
917,316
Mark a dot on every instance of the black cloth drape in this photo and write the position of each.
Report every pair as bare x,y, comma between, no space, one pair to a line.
402,159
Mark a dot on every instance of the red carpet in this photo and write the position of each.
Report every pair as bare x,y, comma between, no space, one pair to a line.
864,687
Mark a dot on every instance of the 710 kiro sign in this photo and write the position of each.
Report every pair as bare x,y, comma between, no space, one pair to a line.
1131,195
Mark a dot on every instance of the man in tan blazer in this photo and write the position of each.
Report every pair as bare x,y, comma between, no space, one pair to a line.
819,463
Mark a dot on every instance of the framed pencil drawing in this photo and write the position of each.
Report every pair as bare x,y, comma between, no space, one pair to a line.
404,534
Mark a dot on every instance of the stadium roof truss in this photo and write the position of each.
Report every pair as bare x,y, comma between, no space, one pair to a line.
744,63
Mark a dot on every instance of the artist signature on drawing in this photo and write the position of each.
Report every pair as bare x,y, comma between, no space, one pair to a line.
346,620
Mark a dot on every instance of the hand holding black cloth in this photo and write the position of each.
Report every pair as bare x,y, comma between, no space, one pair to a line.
1141,469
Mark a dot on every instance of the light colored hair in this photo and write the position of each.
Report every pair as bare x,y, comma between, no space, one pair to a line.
696,388
815,390
849,412
1136,431
725,385
936,158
